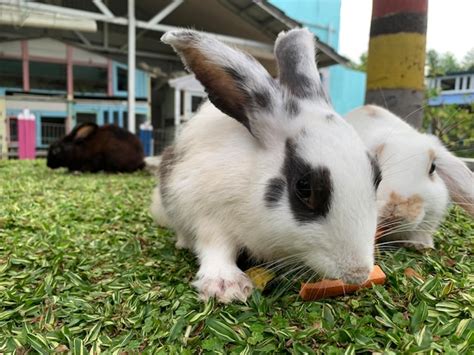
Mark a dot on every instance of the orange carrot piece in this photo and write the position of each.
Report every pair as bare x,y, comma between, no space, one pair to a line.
331,288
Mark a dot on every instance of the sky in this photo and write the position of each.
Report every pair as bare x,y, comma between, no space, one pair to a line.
450,27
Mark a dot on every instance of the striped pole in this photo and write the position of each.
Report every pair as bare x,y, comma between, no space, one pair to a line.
396,60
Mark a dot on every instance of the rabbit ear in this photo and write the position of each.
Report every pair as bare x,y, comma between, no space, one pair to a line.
296,57
236,83
83,131
457,177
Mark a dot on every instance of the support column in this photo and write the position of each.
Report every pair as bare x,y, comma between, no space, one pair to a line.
25,57
396,60
70,89
110,77
131,65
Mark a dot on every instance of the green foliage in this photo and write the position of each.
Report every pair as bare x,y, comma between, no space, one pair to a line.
468,61
84,270
442,63
362,64
454,125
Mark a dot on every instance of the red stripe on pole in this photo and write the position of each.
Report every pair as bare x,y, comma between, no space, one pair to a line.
388,7
26,65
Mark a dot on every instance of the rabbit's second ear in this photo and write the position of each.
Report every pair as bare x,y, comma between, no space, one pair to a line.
236,83
295,53
457,177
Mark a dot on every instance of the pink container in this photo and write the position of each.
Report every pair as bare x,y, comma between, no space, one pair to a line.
26,135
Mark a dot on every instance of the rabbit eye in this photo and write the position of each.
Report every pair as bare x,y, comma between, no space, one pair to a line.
432,168
303,190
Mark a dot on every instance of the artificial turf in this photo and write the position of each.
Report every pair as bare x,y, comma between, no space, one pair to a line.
83,269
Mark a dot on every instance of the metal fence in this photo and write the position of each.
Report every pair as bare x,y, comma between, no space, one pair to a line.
162,137
51,132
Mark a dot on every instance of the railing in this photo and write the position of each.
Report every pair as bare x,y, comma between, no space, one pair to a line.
455,83
162,137
51,132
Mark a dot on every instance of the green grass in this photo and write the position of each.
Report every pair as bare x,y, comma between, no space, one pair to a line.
83,268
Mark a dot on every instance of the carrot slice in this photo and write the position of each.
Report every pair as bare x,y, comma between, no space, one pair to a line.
332,288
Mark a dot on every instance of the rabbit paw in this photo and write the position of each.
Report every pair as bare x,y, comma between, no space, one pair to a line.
225,287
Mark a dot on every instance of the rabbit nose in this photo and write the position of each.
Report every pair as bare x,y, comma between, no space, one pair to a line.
356,275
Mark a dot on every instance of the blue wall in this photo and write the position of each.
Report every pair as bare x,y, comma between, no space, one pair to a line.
320,12
346,86
452,99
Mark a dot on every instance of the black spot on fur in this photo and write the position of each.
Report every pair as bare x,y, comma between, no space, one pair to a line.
262,98
291,62
330,116
274,191
238,77
292,107
376,172
317,203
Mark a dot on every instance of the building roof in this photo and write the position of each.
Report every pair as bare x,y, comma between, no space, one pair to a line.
251,25
452,73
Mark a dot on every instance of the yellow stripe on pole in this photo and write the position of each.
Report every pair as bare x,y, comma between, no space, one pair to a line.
396,61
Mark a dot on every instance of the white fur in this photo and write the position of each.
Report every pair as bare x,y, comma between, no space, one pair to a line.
214,198
404,157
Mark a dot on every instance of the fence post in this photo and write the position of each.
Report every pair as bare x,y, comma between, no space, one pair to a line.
145,137
26,135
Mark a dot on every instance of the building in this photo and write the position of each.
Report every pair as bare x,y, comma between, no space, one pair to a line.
69,59
345,86
452,89
63,85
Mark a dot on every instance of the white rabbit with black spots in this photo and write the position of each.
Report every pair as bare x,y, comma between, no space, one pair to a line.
266,166
419,176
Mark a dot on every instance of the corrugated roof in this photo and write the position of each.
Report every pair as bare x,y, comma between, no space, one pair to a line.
254,20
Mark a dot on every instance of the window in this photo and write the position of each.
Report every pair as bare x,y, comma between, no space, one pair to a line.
82,117
122,84
13,129
195,102
11,73
468,83
106,117
116,119
52,129
125,119
90,80
48,76
448,84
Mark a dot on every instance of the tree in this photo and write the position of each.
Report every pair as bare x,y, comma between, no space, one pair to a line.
468,61
449,63
362,64
442,63
433,63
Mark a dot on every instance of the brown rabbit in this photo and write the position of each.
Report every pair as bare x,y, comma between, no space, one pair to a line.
90,148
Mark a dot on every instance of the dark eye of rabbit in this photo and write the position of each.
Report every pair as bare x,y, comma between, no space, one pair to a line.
313,191
303,190
310,187
432,168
